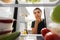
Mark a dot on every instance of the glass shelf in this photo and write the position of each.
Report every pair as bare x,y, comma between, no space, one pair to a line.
41,2
30,37
26,4
34,35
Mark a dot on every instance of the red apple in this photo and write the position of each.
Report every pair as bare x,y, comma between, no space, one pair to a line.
44,31
51,36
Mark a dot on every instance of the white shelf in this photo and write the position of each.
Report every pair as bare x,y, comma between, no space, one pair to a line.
34,35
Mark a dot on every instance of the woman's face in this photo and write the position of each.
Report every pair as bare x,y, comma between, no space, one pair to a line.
37,13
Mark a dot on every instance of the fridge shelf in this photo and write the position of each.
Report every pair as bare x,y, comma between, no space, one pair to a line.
34,35
37,1
26,5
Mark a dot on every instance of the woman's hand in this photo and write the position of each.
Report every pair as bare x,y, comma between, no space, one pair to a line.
48,35
38,19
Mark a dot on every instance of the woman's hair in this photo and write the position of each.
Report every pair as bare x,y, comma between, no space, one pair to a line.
38,9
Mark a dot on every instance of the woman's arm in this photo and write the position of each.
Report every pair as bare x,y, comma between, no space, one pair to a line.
34,30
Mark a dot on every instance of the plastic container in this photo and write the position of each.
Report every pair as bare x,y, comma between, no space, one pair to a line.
6,12
6,31
6,22
6,25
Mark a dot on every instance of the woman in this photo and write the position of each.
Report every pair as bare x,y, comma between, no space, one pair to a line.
38,24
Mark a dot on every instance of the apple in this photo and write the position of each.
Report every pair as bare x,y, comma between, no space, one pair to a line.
51,36
44,31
